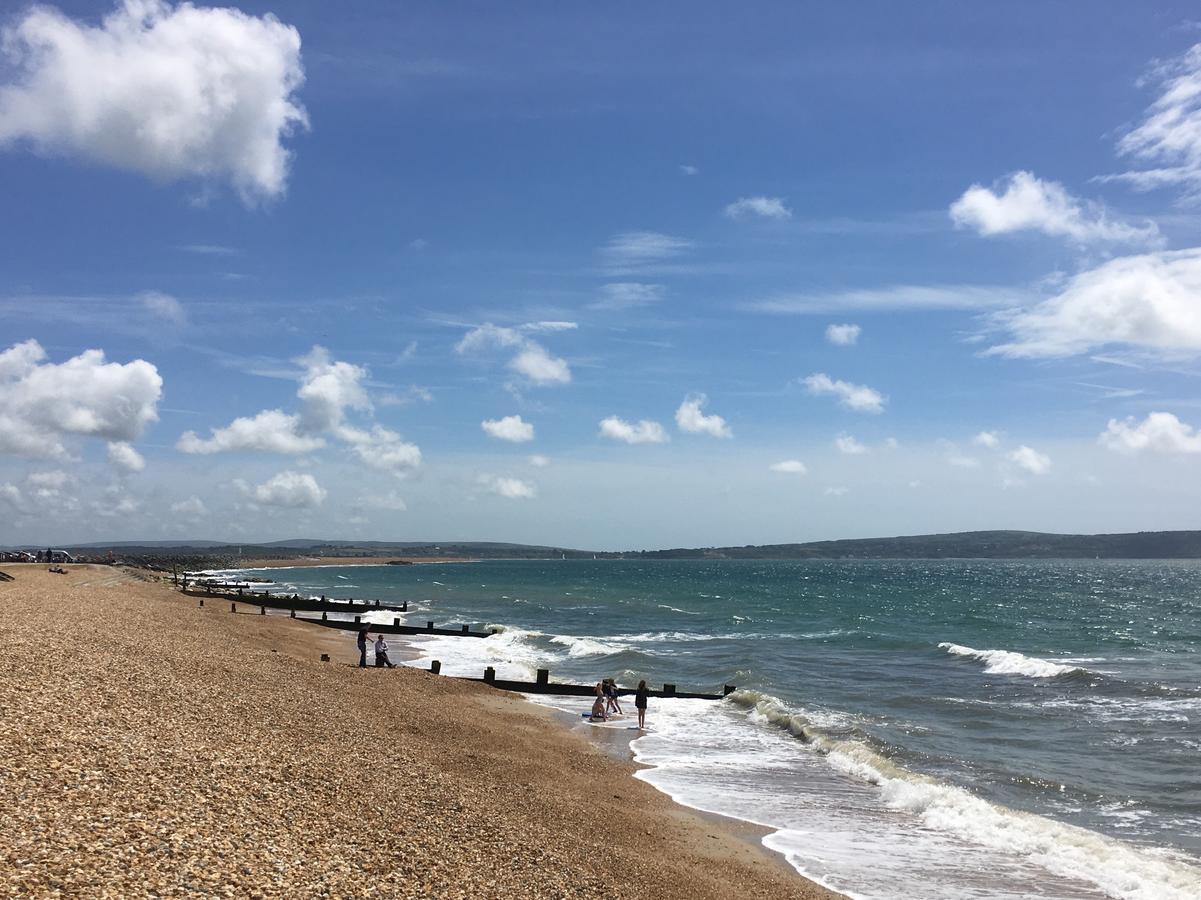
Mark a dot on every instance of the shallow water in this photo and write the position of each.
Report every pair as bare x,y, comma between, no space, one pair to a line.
908,728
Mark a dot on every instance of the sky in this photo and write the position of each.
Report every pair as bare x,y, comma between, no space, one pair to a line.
607,276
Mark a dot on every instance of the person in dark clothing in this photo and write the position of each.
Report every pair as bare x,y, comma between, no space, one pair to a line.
362,648
640,698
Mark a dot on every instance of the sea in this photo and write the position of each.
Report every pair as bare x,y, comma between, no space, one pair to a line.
918,729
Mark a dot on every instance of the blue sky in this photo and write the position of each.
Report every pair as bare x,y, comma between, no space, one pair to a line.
459,252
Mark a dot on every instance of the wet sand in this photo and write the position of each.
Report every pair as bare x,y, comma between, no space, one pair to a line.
155,747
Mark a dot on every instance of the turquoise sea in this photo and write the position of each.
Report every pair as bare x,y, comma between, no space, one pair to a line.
904,728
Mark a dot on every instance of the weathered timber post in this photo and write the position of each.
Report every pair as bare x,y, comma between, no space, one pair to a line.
490,675
543,677
202,601
669,690
293,614
396,623
324,616
377,604
404,607
435,667
262,610
728,690
429,626
357,620
233,607
325,657
466,628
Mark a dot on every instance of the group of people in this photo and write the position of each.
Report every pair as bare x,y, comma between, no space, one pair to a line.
606,702
381,650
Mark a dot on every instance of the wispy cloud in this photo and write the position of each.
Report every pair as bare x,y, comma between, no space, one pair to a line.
632,251
760,207
627,295
892,297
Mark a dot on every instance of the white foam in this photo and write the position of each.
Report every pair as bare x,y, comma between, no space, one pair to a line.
1008,662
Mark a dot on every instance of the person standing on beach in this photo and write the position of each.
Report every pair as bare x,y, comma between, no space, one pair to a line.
640,698
362,642
611,704
381,653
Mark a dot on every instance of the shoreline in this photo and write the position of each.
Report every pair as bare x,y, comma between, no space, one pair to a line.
169,714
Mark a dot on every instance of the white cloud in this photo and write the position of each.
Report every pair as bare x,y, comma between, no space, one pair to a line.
382,449
1160,432
191,509
43,403
789,467
989,439
510,488
1031,204
270,431
54,480
510,428
390,501
633,250
892,297
848,445
1031,460
843,335
963,462
858,397
292,490
1147,301
122,455
1169,136
764,207
628,294
532,360
689,418
328,389
643,432
170,92
164,306
835,491
689,170
538,461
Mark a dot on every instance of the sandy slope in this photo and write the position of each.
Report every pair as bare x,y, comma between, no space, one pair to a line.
154,747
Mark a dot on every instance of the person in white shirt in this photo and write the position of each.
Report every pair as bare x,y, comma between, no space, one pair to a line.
381,653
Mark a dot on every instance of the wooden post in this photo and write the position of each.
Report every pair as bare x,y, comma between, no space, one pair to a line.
233,607
404,607
262,610
202,601
489,675
396,623
669,690
429,626
377,604
466,628
543,677
325,657
357,620
435,667
293,614
728,690
324,616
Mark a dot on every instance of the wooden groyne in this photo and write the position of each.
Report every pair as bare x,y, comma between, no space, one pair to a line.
295,602
545,686
395,627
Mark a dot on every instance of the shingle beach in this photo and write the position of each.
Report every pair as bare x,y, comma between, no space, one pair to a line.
150,747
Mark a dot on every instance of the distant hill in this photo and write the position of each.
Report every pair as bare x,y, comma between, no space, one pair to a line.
960,545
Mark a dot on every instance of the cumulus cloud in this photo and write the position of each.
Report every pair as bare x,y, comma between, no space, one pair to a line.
843,335
1031,460
789,467
163,306
532,360
510,488
1169,136
1147,301
1031,204
627,295
43,403
538,461
989,439
123,456
192,508
1160,432
847,444
168,91
858,397
689,418
382,449
763,207
643,432
271,431
510,428
290,490
328,388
